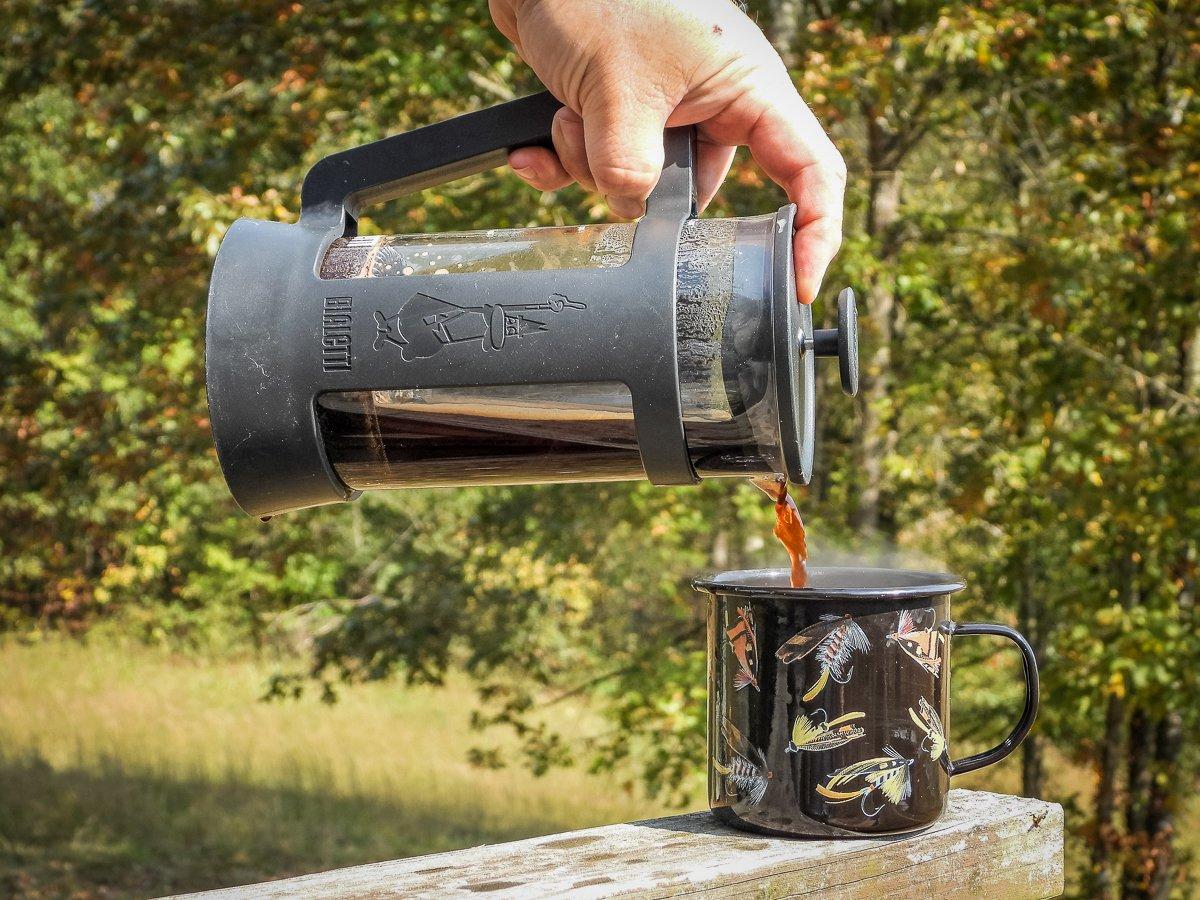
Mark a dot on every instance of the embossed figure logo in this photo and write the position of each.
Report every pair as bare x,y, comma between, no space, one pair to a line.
424,325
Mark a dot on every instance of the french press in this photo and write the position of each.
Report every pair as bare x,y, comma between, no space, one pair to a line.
671,349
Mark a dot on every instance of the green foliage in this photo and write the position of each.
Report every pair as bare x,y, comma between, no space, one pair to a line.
1022,217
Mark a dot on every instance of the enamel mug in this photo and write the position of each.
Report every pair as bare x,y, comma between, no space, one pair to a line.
829,705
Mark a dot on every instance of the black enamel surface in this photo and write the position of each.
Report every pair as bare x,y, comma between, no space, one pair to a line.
887,691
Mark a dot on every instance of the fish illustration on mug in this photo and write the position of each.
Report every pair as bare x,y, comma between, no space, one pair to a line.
889,775
926,718
924,646
834,640
811,735
743,639
745,769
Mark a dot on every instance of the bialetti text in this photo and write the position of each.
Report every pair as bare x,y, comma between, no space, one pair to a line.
335,334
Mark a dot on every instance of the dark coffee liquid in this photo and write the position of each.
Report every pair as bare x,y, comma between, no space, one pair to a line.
789,527
456,437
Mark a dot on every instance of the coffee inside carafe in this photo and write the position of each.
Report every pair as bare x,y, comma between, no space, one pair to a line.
453,436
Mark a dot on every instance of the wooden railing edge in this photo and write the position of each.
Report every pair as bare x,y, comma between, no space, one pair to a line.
986,845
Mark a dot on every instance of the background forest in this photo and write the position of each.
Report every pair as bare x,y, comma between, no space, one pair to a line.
1022,228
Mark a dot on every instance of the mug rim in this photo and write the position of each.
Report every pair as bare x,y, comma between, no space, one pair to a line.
892,584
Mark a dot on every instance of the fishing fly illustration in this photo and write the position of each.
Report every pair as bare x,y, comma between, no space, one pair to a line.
926,718
809,734
887,774
745,771
834,640
743,639
925,646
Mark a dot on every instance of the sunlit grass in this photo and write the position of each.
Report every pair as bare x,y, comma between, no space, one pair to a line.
128,770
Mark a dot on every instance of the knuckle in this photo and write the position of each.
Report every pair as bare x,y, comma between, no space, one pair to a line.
840,171
626,179
833,164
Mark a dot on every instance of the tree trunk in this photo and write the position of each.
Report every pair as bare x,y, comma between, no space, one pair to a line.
785,28
883,211
1105,842
1032,766
1032,750
1160,814
1157,832
1138,781
719,555
1118,746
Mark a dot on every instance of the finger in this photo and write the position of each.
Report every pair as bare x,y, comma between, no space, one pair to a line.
505,17
567,134
814,246
539,167
624,142
788,142
712,165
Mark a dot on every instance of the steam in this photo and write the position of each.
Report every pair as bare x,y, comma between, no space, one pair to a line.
884,555
866,552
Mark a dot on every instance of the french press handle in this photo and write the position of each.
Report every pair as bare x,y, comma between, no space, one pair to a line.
340,186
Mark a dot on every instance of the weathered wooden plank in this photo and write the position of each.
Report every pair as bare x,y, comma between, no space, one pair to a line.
987,845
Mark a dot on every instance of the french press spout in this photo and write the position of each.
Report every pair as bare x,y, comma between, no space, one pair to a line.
671,349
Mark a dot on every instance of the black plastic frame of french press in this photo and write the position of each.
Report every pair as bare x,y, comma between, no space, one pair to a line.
268,304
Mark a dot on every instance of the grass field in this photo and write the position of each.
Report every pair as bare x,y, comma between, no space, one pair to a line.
126,770
129,771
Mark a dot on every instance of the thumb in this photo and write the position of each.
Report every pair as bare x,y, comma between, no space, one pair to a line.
623,137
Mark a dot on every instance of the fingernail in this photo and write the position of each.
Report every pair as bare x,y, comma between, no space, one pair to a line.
626,207
807,289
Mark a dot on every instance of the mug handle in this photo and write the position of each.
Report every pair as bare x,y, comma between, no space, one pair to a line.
1028,714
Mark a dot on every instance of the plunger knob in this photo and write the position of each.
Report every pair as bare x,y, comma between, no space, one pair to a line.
842,342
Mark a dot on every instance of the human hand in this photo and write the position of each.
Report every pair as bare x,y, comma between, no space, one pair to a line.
627,69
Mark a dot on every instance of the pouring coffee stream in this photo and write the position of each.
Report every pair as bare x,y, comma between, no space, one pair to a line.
789,527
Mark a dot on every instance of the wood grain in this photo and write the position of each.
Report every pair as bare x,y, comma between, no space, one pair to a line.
986,845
